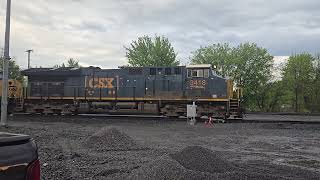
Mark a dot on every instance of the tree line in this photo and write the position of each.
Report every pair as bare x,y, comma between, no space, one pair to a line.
247,64
250,67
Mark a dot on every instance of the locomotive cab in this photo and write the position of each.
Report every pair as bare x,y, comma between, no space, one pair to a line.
203,82
198,76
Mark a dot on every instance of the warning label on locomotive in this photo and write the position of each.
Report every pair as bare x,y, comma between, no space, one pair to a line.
105,83
199,84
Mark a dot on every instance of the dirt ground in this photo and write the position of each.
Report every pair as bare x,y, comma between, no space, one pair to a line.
107,148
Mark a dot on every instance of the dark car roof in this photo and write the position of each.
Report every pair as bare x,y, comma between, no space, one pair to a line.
9,137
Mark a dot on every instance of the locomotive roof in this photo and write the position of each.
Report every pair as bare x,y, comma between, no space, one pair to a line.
199,66
124,67
51,71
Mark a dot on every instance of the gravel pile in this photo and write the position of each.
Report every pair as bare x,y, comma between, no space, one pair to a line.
251,176
193,162
201,159
167,168
112,139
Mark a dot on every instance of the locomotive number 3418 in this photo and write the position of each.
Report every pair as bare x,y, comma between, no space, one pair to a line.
198,83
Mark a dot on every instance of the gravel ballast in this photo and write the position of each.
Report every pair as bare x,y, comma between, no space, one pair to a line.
73,148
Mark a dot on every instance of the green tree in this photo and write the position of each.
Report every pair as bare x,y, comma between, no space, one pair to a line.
247,64
151,52
316,85
71,63
14,70
298,76
252,72
218,55
274,96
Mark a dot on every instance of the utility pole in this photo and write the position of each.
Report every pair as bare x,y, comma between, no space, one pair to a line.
4,99
29,51
2,53
296,90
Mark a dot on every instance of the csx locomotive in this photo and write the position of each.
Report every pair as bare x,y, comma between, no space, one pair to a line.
153,90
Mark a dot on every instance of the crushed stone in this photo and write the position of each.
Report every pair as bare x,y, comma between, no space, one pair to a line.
167,168
201,159
112,139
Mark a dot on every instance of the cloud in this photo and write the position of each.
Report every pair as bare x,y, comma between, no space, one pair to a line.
95,31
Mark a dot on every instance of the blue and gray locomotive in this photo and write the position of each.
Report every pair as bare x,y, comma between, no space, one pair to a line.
153,90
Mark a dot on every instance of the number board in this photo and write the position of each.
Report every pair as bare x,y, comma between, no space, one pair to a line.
197,84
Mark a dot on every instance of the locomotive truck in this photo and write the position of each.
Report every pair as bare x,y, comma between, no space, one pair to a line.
130,90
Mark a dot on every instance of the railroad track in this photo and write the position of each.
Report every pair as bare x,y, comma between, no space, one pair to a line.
106,117
156,118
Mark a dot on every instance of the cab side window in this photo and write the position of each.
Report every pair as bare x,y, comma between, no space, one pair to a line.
206,73
189,73
200,73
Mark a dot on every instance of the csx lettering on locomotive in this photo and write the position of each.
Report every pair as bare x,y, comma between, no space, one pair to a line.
105,83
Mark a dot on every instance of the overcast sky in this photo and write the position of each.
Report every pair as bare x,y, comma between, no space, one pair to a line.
95,31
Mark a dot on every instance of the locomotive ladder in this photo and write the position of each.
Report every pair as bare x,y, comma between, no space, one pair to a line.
19,104
234,108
